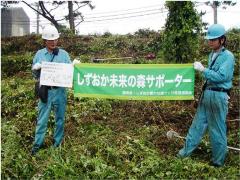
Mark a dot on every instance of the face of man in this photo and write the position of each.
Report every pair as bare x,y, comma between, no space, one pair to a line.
51,44
215,44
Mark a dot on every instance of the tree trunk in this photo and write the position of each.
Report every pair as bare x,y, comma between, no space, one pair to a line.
47,15
71,16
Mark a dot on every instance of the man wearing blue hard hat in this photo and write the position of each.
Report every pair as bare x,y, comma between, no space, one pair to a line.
213,105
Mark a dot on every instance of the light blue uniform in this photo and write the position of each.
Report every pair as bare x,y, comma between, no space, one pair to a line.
212,110
57,99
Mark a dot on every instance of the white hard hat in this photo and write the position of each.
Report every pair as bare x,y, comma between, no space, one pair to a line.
50,33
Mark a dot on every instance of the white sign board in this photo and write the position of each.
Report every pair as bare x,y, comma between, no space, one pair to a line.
56,74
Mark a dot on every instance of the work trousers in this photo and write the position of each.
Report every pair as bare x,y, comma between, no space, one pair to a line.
56,101
211,114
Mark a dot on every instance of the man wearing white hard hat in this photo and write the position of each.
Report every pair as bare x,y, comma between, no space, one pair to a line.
213,106
54,97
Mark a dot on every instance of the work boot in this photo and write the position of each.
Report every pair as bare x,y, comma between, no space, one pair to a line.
35,149
56,145
214,164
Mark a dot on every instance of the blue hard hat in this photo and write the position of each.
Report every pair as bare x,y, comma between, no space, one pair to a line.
215,31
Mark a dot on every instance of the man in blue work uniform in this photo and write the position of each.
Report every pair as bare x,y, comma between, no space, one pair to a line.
56,96
213,106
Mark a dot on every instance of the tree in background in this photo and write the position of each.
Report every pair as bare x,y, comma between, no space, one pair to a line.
73,13
182,31
216,4
47,10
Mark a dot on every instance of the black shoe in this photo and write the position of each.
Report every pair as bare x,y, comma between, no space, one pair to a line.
34,151
56,145
214,164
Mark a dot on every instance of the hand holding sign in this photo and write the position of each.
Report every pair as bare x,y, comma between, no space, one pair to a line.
75,61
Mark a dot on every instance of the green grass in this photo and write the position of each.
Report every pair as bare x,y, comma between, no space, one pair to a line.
104,139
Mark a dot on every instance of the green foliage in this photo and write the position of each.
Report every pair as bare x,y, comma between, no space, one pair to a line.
98,46
107,34
145,33
66,32
233,41
138,45
13,45
181,35
16,63
105,139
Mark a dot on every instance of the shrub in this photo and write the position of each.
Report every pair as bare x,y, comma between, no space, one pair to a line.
16,63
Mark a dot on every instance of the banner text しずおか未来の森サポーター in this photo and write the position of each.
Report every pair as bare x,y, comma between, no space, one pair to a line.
134,81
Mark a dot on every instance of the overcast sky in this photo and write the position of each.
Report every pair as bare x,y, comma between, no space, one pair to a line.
127,16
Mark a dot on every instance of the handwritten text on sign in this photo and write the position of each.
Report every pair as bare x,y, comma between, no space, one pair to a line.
56,74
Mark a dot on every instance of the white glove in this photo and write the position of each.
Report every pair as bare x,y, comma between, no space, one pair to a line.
198,66
36,66
75,61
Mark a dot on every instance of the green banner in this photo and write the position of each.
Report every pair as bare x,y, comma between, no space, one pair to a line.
134,81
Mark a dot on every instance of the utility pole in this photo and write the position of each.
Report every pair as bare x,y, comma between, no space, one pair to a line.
214,6
38,19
